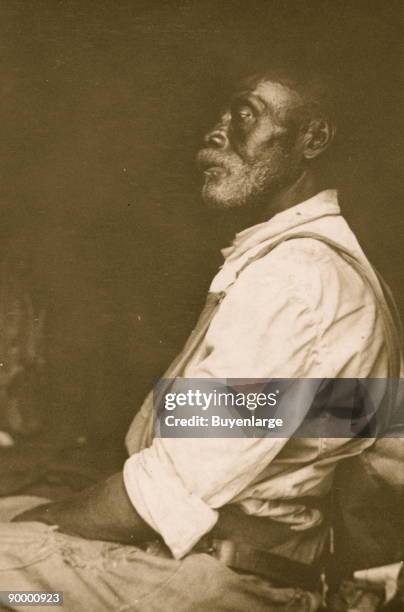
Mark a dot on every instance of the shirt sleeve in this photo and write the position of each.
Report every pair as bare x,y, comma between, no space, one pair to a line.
264,328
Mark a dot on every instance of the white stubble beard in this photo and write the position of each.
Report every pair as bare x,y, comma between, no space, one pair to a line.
247,185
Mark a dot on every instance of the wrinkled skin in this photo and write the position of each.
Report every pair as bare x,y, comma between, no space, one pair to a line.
255,148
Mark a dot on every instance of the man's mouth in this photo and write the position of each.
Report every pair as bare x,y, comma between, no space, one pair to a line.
214,171
211,167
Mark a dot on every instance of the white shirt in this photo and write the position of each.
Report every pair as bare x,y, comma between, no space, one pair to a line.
301,311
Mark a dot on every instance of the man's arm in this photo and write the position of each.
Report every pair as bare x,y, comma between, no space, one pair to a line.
102,512
175,486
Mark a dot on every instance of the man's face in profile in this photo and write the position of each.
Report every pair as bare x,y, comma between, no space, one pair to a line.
254,147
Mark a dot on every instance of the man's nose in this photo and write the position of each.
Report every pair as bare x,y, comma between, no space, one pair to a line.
218,137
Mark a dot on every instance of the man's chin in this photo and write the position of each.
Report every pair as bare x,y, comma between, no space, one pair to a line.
218,199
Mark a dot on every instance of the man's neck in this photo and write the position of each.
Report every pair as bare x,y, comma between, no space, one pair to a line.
305,187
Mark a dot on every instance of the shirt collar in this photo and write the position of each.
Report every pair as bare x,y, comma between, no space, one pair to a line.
322,204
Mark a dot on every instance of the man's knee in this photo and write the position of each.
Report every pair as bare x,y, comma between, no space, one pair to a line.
22,544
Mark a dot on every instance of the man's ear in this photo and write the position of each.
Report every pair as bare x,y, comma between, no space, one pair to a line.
318,137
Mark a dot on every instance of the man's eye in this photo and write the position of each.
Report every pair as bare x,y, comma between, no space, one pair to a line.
243,115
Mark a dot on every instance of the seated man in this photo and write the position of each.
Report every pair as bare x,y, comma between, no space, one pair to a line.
278,308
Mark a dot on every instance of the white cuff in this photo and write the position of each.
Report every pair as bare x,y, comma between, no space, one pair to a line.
159,496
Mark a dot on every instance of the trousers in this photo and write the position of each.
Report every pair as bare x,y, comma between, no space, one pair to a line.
97,576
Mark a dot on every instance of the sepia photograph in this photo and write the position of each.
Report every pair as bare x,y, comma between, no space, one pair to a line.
201,305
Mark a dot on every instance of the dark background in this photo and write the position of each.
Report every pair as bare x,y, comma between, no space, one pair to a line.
103,105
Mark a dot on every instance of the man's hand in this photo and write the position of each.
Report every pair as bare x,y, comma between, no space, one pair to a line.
103,512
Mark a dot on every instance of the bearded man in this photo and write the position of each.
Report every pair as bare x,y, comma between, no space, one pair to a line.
230,524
